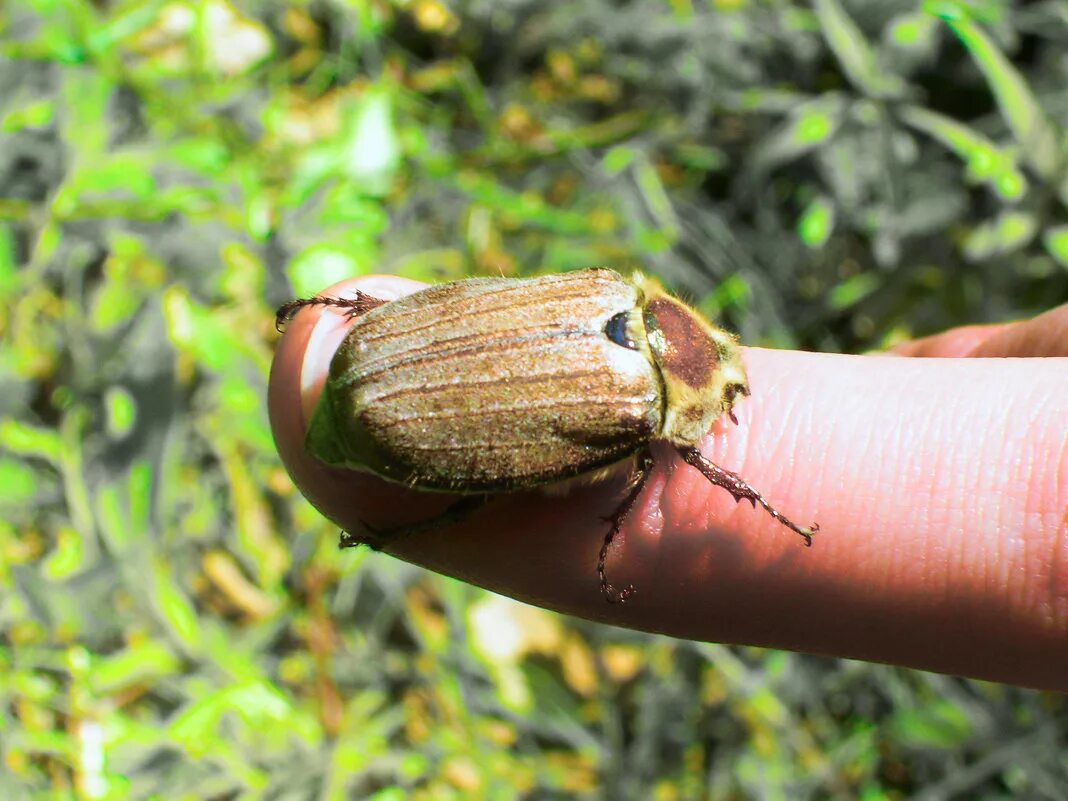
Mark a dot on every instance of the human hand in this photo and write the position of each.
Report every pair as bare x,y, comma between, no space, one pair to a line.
941,486
1042,336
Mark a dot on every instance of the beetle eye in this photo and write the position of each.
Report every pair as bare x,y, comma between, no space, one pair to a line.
616,330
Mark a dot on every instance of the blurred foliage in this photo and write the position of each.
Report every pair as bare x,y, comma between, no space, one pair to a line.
175,622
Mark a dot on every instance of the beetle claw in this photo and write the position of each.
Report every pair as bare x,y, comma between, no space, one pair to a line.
349,540
616,596
808,532
346,540
376,538
612,594
740,489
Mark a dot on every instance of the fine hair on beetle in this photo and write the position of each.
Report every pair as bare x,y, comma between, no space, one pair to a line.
492,385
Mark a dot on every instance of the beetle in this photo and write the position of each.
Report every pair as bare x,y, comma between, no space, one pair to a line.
493,385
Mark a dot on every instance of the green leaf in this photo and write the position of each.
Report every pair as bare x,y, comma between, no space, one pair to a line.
139,663
205,155
346,204
67,558
18,483
111,514
370,151
103,36
243,415
854,52
259,705
175,609
853,290
817,222
652,240
123,509
991,12
813,128
700,157
200,333
120,295
26,440
243,273
522,207
120,411
912,31
986,162
85,100
810,125
733,293
389,794
617,159
1056,241
1030,126
128,173
656,198
9,277
38,114
319,266
47,242
1008,233
939,724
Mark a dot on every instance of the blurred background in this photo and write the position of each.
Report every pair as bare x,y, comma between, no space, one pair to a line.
177,623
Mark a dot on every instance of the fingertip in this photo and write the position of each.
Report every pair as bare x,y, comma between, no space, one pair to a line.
299,370
312,335
955,343
1044,335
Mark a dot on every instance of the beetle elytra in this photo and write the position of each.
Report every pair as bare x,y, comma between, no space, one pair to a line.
492,385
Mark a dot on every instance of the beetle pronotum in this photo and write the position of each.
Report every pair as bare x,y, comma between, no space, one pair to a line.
491,385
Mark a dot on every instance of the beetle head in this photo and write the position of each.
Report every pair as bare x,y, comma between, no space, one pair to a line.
701,365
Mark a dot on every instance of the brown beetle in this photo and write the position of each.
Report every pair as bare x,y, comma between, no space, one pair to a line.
491,385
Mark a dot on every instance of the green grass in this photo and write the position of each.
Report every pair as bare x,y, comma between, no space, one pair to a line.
177,623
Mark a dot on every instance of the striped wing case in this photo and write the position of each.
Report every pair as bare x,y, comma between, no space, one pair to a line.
490,384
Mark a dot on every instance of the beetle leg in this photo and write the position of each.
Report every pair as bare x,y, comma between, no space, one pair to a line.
361,304
634,489
375,538
741,490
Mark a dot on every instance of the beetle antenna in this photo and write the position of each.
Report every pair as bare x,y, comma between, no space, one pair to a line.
742,491
611,593
355,306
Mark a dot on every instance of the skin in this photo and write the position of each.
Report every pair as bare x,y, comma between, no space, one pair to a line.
940,484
